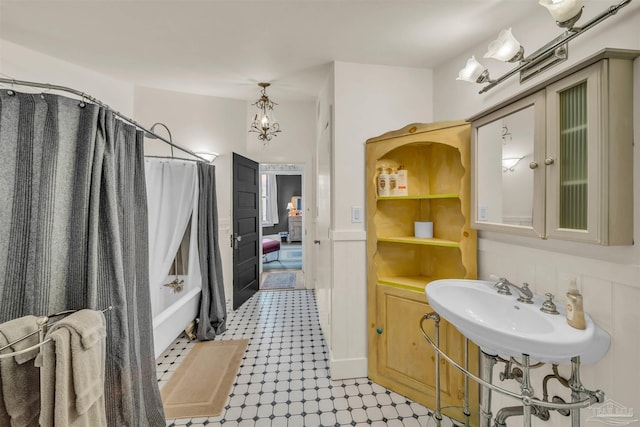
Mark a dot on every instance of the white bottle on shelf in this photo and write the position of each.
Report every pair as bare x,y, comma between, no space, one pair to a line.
402,188
393,182
383,182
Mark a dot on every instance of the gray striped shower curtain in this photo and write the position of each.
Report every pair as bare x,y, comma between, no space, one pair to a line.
73,234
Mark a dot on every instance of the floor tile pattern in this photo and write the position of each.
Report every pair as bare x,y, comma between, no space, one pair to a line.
284,378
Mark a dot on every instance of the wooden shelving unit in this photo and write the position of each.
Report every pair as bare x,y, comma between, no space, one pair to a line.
400,265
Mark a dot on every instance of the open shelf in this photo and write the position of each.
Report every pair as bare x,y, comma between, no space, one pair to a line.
407,282
420,241
420,197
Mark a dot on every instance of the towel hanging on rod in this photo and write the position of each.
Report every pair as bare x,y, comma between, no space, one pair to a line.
43,322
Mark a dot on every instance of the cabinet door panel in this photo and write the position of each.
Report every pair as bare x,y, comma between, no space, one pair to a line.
403,352
406,358
574,156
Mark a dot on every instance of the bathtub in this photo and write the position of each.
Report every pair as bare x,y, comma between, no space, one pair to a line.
180,310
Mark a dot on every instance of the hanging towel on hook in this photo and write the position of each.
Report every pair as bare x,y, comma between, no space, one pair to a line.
19,378
72,372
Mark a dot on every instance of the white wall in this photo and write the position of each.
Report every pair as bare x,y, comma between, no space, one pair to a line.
368,100
20,63
609,277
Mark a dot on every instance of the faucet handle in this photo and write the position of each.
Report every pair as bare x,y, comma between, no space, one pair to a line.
548,306
502,285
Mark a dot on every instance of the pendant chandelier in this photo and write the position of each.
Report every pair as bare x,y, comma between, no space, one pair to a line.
264,122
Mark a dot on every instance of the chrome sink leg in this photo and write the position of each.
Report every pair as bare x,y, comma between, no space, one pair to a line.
575,385
527,391
466,411
486,373
436,321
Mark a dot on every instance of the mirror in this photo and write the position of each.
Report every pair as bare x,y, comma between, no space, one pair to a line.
503,151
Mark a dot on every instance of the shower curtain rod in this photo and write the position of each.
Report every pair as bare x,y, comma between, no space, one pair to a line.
90,98
174,158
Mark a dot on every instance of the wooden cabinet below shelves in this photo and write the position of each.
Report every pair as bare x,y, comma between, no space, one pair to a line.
405,360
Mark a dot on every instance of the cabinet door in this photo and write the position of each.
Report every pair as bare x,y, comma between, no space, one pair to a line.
573,160
406,361
508,151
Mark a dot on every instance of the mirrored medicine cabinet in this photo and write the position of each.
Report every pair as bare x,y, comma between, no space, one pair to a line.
557,161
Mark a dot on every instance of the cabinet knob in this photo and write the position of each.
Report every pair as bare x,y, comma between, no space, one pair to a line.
317,242
379,331
549,161
533,165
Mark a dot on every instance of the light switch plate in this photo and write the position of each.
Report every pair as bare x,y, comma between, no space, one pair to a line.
356,214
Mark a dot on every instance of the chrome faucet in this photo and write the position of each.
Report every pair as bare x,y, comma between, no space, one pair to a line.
503,285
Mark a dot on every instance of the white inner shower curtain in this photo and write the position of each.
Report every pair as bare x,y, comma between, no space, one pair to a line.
172,199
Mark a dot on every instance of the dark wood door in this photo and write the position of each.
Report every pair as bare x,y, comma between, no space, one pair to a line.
246,212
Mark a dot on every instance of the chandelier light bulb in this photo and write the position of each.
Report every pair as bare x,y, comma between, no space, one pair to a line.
505,48
264,122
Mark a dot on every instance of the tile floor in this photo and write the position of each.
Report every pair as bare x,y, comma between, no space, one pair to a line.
284,378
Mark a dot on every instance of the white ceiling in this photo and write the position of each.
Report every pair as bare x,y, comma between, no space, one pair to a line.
224,48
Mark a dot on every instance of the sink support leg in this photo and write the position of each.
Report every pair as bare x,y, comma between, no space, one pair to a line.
466,411
436,321
575,385
487,362
527,391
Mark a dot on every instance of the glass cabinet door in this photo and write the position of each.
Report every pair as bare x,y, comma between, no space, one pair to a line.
572,156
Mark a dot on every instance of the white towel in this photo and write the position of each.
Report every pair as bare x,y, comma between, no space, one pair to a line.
72,372
20,388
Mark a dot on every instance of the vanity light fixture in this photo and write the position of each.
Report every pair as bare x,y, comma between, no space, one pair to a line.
264,122
506,48
474,72
565,12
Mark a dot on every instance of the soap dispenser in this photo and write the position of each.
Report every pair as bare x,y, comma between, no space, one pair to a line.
575,310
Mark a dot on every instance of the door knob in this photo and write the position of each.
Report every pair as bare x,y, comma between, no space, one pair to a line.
236,238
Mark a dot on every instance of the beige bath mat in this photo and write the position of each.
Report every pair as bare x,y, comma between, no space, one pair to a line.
203,381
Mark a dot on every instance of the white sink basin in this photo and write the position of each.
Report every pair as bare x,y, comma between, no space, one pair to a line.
501,325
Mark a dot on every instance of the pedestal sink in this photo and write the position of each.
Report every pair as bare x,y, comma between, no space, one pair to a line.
501,325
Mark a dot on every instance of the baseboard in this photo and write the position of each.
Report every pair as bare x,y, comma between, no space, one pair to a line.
342,369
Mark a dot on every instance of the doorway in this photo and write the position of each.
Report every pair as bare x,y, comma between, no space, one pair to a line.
282,208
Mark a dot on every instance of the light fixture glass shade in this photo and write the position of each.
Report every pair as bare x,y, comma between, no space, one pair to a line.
207,155
563,10
505,48
472,71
